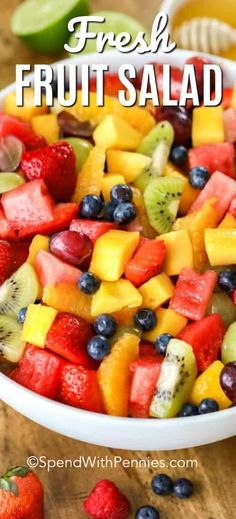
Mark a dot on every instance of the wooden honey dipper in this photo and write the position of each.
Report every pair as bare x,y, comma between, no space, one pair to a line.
205,35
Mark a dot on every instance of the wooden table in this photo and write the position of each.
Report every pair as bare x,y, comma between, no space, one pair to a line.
214,475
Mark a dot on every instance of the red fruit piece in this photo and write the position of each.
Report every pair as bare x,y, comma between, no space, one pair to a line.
53,271
79,388
69,336
214,157
145,373
6,260
21,495
176,80
63,214
146,262
192,293
205,337
199,63
146,349
71,246
56,165
39,370
112,85
92,228
220,187
10,125
6,231
107,502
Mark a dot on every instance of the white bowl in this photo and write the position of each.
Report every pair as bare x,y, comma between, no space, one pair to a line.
123,433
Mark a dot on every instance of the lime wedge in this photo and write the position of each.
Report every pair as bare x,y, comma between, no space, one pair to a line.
42,24
114,22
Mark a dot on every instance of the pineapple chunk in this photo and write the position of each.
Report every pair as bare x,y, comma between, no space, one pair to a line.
109,181
129,164
208,385
47,126
114,132
176,242
208,125
111,253
221,246
37,324
26,112
68,298
168,321
114,296
228,222
38,243
157,291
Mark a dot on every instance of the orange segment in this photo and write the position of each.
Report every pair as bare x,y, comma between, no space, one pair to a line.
91,175
68,298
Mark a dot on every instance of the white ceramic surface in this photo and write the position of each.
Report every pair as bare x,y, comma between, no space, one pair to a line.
171,7
123,433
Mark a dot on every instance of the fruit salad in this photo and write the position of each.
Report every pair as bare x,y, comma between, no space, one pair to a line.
118,253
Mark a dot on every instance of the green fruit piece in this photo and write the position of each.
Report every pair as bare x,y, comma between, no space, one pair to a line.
81,148
114,22
19,290
121,330
157,145
162,197
228,351
9,181
11,345
42,24
177,376
222,304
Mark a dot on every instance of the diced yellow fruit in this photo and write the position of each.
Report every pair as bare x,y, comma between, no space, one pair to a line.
111,253
109,181
125,317
208,125
221,246
37,324
208,385
26,112
157,291
47,126
128,163
38,243
195,224
138,200
233,98
114,132
172,171
179,252
114,375
92,113
168,321
90,177
189,194
228,222
68,298
137,117
113,296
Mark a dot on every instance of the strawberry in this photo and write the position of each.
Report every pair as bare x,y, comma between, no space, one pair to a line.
6,260
56,165
62,216
10,125
79,388
68,337
107,502
39,370
92,228
146,262
21,495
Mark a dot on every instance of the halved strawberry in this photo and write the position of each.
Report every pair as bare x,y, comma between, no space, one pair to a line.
146,262
92,228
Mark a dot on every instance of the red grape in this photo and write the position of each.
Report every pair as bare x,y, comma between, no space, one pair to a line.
228,381
72,247
180,120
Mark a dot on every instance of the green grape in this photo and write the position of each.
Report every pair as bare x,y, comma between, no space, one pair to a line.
9,181
228,352
222,304
81,148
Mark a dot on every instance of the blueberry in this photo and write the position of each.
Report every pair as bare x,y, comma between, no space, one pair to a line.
208,405
178,155
198,177
227,280
22,315
105,324
108,211
89,283
188,410
91,206
147,512
183,488
121,193
162,342
98,347
145,319
124,213
162,485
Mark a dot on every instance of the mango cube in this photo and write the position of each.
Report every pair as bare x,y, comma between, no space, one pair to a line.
68,298
228,222
179,252
129,164
38,243
47,126
111,253
26,112
168,321
113,297
115,133
157,291
221,246
136,116
208,125
37,324
207,385
109,181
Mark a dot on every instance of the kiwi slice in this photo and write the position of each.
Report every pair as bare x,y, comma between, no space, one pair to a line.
176,380
11,345
161,198
157,145
19,290
228,351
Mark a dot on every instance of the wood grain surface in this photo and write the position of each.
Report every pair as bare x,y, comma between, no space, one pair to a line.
214,466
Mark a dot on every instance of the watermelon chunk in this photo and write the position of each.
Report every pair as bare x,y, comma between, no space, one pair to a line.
92,228
63,214
146,263
214,157
53,271
145,373
6,231
192,293
220,187
205,337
